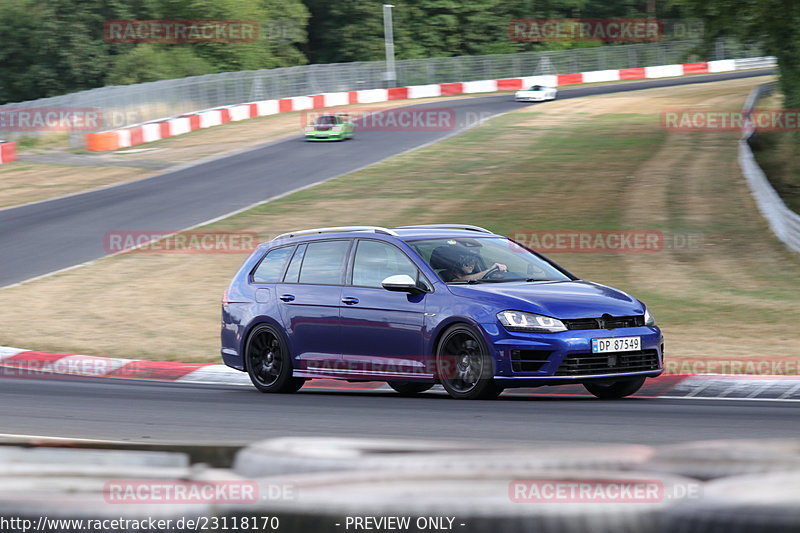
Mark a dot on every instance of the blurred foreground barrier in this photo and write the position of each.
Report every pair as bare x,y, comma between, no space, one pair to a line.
721,458
310,454
742,504
474,500
65,491
783,222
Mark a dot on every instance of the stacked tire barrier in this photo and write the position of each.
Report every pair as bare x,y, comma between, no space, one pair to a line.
783,222
352,484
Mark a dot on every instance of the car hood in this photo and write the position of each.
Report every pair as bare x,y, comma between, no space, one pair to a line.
560,299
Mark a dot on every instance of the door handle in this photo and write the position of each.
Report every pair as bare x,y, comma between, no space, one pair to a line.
350,300
287,297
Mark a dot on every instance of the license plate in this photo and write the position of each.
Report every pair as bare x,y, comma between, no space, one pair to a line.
617,344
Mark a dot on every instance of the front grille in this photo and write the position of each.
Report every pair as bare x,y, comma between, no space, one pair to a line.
528,360
606,322
585,364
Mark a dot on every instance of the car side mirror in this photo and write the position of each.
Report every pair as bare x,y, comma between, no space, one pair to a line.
401,283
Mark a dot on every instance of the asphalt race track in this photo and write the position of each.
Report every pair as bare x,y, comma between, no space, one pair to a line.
125,410
44,237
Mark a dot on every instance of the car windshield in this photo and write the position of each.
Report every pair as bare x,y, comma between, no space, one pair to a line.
461,260
536,88
327,119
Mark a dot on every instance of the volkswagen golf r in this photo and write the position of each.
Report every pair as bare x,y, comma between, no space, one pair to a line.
419,305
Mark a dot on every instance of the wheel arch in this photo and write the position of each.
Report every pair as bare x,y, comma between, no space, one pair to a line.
258,321
448,323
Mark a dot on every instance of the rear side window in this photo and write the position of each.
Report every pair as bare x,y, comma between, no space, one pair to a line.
324,262
293,271
271,267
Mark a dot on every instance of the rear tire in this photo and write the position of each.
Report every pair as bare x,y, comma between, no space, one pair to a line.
268,361
616,389
464,366
409,388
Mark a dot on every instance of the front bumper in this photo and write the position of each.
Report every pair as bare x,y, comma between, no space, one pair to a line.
324,136
530,98
532,359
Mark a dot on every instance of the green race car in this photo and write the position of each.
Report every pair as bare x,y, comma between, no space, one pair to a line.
330,128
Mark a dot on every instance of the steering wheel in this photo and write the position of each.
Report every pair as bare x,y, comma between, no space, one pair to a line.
491,272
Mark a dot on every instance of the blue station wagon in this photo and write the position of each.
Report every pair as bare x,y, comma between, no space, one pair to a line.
415,306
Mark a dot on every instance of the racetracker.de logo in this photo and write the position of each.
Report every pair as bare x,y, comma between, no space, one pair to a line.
187,242
730,120
603,30
51,119
591,241
180,31
597,491
186,492
395,119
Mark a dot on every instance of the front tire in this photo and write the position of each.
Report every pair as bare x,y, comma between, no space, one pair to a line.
464,366
409,388
615,389
268,361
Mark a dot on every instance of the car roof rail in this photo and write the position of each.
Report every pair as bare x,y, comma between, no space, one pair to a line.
335,229
467,227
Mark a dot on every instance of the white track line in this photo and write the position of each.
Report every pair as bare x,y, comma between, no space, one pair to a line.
62,439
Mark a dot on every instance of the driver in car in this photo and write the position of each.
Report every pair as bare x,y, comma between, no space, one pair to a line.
465,270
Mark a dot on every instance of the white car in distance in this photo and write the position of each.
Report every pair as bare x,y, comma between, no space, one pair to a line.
536,93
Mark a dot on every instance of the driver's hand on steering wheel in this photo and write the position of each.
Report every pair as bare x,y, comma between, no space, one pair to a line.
501,267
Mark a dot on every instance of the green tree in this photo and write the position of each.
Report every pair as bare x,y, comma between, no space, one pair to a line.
773,23
52,47
148,62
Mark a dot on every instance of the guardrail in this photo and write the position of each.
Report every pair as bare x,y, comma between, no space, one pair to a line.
783,222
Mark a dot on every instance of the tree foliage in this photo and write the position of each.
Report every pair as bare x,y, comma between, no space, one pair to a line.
52,47
773,23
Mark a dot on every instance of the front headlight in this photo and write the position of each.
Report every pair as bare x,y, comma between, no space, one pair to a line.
529,322
648,318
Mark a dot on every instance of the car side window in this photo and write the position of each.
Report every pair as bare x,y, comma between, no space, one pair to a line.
376,261
324,262
293,272
270,268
